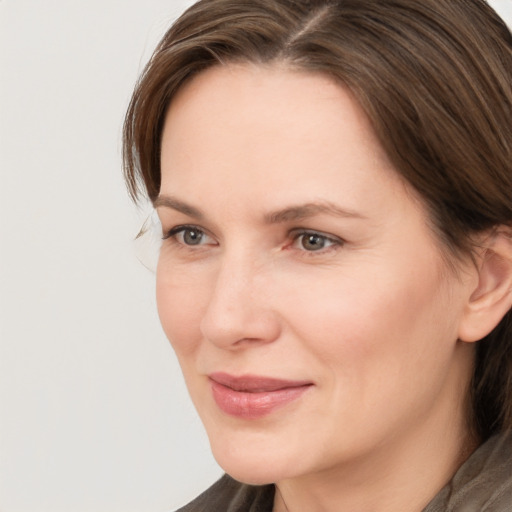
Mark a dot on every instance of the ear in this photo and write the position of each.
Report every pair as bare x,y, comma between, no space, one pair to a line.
492,297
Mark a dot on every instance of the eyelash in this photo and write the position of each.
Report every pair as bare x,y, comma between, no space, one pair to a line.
174,232
296,235
333,243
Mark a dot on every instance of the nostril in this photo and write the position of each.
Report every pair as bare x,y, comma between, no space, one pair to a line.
240,328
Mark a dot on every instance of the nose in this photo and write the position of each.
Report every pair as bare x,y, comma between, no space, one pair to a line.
241,309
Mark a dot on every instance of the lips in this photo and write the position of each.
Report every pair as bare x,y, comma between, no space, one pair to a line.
252,397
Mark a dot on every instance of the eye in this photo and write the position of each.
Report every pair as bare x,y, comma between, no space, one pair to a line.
189,235
312,241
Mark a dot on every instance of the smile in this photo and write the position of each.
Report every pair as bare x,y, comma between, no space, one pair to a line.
252,397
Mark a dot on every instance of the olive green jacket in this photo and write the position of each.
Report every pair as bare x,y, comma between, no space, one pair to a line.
482,484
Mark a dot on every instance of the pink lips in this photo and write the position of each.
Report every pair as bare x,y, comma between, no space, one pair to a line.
252,397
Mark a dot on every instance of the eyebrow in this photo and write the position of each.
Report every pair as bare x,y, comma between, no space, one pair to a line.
307,210
180,206
291,213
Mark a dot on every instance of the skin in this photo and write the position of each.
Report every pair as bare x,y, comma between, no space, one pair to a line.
372,318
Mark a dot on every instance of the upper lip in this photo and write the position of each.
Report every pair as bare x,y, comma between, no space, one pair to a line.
255,383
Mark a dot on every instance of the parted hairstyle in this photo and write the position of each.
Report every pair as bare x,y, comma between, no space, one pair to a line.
434,78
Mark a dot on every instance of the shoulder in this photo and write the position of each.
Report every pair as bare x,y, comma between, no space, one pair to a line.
483,483
228,495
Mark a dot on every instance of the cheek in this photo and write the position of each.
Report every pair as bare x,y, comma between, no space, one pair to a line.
380,346
371,322
181,303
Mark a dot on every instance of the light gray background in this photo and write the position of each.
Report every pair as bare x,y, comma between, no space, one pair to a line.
94,415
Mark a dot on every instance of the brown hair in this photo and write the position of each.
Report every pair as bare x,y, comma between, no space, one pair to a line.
435,79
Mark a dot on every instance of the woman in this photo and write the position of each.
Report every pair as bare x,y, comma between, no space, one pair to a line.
334,184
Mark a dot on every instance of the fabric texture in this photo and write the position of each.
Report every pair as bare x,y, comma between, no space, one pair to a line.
482,484
228,495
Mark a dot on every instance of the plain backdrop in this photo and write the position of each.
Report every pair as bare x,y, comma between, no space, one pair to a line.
94,415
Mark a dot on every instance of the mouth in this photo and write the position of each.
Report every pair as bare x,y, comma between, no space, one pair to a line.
251,396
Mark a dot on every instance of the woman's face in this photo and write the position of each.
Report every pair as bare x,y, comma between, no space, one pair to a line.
300,284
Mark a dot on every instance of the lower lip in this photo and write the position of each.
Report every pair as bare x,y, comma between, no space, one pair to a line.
246,405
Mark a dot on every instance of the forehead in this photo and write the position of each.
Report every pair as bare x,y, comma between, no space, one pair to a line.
223,90
254,114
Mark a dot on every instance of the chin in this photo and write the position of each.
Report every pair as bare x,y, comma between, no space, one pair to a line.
252,474
253,464
252,477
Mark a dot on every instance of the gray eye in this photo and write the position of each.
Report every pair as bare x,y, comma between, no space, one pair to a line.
313,242
192,236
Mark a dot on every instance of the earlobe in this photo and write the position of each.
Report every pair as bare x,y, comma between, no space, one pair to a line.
492,297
